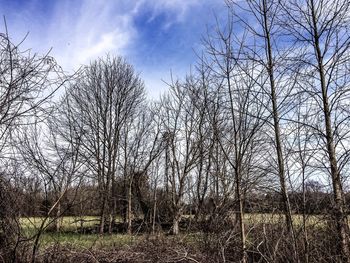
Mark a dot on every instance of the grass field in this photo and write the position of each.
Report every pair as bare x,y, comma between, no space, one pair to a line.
70,226
87,240
70,235
68,223
311,220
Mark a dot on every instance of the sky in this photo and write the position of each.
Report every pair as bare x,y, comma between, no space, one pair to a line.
155,36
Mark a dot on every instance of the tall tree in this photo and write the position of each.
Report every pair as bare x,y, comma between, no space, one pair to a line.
242,113
181,151
104,100
321,29
142,145
27,82
266,48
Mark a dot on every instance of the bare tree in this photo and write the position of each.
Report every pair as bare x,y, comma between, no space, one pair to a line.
53,157
200,98
142,145
181,151
27,82
321,30
302,147
267,49
242,114
103,101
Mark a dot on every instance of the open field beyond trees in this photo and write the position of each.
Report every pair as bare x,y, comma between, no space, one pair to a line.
73,230
72,224
77,243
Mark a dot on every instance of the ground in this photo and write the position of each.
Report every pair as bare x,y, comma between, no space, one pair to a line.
71,236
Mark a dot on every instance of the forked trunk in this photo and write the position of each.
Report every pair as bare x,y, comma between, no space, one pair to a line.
176,222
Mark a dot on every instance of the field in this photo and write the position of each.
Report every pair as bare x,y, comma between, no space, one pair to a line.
69,234
69,223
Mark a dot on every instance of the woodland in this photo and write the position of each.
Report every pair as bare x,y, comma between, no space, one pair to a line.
244,159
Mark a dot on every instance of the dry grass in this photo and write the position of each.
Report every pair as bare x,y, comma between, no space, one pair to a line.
68,223
88,241
70,235
259,218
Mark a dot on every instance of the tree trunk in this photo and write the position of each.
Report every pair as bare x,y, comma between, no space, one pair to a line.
58,217
110,223
305,236
240,221
338,194
114,203
154,210
129,216
275,113
103,214
176,225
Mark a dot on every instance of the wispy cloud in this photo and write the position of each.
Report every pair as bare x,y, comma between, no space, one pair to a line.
88,30
155,35
177,8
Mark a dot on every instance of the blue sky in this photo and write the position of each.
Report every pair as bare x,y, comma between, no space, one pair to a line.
156,36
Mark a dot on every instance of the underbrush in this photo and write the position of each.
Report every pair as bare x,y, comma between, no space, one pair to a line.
212,242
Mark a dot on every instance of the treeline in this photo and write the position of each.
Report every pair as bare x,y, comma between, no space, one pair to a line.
261,125
80,202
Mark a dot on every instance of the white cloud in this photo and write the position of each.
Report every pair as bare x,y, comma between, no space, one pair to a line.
178,8
80,31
